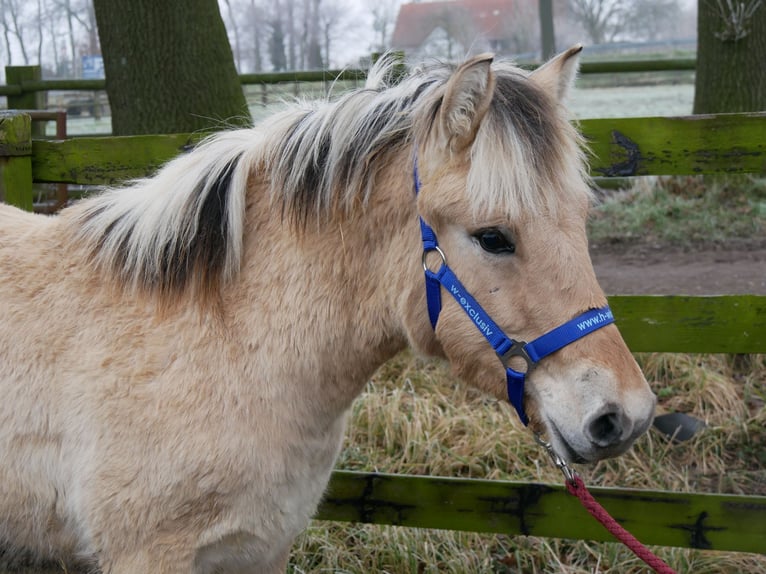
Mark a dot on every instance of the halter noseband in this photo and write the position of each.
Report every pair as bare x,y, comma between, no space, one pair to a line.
505,347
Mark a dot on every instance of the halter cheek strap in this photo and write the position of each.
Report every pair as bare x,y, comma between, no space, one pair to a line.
505,347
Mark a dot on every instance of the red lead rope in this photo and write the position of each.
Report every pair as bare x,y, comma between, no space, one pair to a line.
576,487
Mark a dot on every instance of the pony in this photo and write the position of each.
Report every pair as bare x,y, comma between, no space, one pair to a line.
177,356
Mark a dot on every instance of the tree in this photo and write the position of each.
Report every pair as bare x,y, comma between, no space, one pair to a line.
277,46
313,51
235,30
383,20
602,20
256,19
731,51
336,24
653,19
70,16
639,20
169,66
11,13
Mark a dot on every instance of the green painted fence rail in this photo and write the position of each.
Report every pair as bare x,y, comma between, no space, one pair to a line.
702,144
723,143
727,143
692,324
685,520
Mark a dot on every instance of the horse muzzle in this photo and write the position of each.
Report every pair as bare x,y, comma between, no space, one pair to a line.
596,419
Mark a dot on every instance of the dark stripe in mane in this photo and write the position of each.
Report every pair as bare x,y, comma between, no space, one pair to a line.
177,231
204,258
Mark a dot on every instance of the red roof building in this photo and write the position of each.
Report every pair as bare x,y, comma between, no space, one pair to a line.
455,28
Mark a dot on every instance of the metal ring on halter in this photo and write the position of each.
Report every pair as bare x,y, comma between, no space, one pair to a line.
441,254
517,350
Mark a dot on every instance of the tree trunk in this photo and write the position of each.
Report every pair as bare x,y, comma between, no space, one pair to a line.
731,75
169,66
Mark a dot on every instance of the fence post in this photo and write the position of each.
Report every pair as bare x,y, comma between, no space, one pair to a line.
26,100
16,159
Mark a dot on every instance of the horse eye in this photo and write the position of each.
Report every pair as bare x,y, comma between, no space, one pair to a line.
494,241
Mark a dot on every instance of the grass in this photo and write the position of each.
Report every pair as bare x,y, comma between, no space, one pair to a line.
683,211
414,417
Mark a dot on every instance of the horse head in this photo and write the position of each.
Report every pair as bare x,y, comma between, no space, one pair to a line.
504,188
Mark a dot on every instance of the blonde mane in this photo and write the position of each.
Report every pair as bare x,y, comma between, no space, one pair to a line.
184,226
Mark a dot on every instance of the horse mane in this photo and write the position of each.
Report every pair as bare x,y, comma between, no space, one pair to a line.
183,228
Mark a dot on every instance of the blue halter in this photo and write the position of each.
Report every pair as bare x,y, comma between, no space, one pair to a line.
505,347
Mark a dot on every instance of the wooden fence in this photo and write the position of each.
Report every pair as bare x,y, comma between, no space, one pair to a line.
719,144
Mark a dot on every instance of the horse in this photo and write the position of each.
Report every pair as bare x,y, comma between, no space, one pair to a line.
179,354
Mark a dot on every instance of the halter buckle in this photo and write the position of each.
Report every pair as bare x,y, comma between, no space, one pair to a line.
517,349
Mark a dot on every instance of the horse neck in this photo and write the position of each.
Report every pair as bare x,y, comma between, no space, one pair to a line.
328,299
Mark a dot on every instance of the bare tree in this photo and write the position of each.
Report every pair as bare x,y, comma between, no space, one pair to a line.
81,28
653,19
6,30
54,34
609,20
384,14
291,39
602,20
334,22
40,20
70,18
12,26
257,20
311,27
232,25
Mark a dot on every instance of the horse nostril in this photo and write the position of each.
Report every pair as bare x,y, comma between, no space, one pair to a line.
605,430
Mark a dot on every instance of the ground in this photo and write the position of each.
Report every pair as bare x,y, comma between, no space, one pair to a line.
739,267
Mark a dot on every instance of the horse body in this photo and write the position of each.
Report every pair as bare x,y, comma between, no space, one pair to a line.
212,423
178,357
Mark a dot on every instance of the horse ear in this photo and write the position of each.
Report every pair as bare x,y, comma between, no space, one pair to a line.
558,74
466,99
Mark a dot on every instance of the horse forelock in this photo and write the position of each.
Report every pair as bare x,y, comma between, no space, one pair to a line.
527,157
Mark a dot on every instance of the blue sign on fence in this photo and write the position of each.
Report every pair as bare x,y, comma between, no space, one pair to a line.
92,68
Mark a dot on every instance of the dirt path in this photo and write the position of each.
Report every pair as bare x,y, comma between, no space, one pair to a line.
651,269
